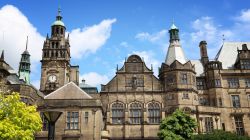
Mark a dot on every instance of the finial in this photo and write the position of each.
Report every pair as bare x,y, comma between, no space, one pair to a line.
2,55
59,17
27,43
117,67
47,37
151,67
59,11
68,36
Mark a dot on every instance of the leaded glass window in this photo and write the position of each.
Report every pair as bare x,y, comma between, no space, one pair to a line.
117,113
239,125
135,113
236,101
209,124
72,120
154,113
233,82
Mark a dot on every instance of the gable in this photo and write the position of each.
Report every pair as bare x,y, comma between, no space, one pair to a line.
68,91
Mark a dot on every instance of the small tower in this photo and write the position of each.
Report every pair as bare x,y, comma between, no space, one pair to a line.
58,27
24,65
175,51
203,52
174,33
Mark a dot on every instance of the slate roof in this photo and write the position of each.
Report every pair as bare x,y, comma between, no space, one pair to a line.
228,53
198,67
68,91
175,52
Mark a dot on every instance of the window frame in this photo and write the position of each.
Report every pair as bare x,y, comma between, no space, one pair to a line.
208,124
135,113
233,82
239,125
154,113
235,102
71,118
184,78
119,111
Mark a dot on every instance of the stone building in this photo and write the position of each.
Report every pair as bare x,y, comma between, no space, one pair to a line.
10,81
216,92
81,117
213,91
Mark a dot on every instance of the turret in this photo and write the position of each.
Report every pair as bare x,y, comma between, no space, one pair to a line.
24,66
58,27
203,52
175,51
174,33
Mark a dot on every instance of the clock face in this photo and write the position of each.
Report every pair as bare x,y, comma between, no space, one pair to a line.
52,78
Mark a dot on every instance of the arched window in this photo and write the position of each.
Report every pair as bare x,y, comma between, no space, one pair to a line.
186,109
61,30
57,30
154,113
117,113
135,114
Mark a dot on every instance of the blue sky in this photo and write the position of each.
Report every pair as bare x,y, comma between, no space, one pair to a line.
111,30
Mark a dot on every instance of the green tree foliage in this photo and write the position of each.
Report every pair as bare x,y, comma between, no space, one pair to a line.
178,126
219,135
17,120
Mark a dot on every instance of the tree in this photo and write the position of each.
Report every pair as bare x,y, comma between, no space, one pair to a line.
178,126
17,120
220,135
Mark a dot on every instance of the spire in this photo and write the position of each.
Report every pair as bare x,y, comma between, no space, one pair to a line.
2,55
26,49
59,17
24,65
173,26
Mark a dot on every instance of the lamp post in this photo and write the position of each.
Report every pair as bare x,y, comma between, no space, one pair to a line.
52,117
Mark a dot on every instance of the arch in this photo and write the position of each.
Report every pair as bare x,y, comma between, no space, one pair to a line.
186,109
62,31
135,113
117,110
134,58
154,112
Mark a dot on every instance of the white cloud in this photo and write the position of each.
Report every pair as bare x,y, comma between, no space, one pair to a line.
124,44
149,59
244,16
157,37
94,79
14,27
89,39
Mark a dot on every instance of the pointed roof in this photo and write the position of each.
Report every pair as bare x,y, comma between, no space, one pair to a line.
173,27
26,48
229,50
175,52
68,91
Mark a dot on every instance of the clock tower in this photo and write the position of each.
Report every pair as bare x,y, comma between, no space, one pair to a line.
55,63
